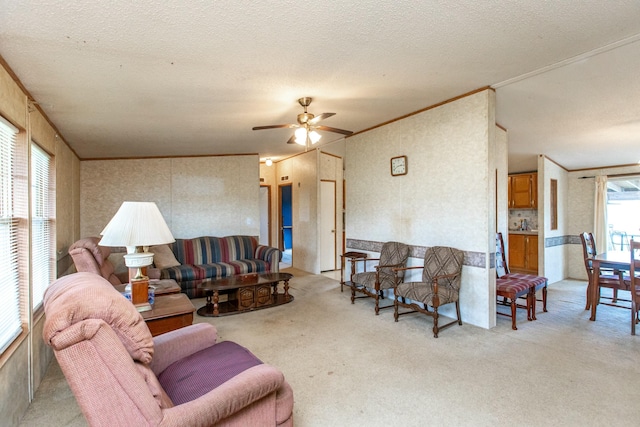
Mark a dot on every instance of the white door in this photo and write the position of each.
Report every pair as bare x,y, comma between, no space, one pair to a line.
327,225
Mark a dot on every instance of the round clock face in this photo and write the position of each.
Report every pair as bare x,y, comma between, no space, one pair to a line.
399,165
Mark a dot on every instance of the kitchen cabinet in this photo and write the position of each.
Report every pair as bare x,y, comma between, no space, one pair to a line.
523,191
523,253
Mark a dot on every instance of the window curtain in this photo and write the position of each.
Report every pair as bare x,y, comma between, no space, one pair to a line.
600,215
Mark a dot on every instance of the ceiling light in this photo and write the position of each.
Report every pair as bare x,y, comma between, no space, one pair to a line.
301,136
268,162
314,136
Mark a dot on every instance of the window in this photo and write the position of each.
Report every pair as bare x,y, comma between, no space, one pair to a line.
10,321
623,211
42,223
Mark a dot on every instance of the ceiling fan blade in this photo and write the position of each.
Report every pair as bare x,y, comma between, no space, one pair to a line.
336,130
292,140
289,126
322,116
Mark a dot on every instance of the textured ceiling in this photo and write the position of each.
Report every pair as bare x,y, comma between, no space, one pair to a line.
148,78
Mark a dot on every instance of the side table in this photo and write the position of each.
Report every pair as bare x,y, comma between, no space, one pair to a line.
169,312
353,257
163,286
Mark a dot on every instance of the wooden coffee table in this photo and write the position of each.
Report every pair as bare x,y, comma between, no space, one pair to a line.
169,312
245,292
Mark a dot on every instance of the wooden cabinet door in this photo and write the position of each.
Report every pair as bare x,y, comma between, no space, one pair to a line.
532,254
517,254
520,191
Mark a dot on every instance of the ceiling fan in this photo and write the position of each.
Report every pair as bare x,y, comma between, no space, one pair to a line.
306,133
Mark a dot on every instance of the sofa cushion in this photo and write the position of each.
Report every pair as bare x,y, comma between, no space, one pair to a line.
243,266
183,273
217,270
163,257
238,247
195,375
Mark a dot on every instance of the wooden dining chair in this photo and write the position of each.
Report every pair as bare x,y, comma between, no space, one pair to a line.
634,282
507,283
608,278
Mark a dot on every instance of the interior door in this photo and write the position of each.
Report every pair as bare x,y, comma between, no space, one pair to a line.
327,225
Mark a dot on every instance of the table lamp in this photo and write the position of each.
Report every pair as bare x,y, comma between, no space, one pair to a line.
137,225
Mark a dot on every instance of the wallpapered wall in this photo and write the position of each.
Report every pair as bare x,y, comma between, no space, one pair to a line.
448,196
22,370
198,196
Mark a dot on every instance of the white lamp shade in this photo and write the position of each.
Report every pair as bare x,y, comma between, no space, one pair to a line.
314,136
301,136
136,224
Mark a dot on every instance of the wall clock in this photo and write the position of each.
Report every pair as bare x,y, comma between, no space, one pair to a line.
398,165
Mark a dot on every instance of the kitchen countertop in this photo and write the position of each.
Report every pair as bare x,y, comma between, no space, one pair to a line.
527,232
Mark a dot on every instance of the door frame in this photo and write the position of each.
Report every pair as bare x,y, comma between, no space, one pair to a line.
334,262
269,216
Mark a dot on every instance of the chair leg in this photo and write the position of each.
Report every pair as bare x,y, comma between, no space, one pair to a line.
588,304
531,303
377,303
395,308
544,299
513,314
615,296
353,294
435,322
458,313
634,315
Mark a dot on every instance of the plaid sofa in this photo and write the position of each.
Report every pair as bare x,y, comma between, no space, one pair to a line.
208,257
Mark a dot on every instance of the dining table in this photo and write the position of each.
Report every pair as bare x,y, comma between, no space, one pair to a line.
617,260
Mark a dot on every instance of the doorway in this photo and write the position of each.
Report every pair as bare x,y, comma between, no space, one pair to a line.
285,237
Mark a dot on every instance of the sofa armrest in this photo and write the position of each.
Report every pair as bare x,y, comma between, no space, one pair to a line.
229,398
271,255
180,343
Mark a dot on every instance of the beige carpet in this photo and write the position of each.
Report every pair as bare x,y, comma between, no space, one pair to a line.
349,367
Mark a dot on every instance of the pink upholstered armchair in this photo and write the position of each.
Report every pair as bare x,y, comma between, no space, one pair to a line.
121,376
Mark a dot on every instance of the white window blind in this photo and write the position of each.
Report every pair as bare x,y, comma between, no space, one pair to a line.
41,224
10,323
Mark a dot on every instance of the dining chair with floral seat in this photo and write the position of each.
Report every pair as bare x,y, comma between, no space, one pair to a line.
374,284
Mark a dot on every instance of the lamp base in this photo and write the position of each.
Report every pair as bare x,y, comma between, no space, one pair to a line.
140,294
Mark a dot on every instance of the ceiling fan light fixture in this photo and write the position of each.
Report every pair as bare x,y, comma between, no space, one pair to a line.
268,162
314,136
301,136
